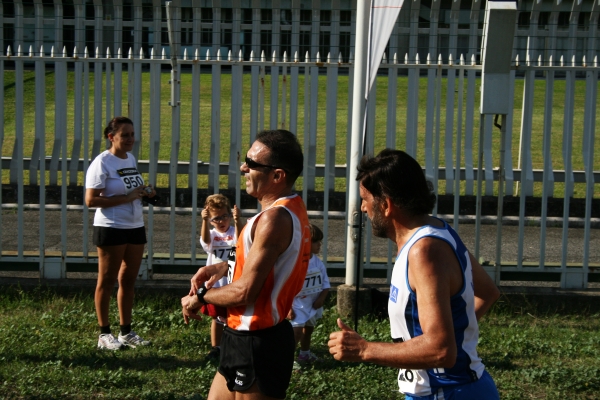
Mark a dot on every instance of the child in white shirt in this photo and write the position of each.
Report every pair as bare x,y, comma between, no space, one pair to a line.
218,242
307,307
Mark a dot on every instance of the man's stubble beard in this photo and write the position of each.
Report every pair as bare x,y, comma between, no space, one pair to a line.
378,222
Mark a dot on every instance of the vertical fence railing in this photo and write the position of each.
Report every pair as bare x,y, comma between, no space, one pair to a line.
548,175
589,132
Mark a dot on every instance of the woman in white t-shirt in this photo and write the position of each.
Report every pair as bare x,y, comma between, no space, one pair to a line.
115,187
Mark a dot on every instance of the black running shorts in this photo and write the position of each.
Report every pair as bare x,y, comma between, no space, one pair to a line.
265,356
104,236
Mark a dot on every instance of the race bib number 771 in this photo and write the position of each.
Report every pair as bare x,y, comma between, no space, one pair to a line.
312,284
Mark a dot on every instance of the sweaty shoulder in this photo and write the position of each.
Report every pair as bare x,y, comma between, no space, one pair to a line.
435,258
428,247
275,222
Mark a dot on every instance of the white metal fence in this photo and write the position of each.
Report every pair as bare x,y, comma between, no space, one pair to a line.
217,102
446,145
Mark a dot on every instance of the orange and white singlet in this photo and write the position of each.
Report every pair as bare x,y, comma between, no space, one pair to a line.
285,278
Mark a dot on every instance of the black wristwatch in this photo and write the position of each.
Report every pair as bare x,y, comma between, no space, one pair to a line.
201,292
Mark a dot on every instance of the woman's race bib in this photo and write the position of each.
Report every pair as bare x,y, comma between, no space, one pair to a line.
131,178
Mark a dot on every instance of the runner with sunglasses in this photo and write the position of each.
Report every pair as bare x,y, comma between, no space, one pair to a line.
219,243
272,254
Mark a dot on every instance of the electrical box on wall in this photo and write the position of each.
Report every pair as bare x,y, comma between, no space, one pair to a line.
496,48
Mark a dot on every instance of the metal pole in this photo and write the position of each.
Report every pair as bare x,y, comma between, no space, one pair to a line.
354,216
172,17
479,185
500,199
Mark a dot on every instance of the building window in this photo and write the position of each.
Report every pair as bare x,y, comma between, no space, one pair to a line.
345,17
325,17
206,37
286,44
304,44
246,44
164,37
305,17
9,10
524,19
543,20
187,35
206,15
246,15
227,40
563,20
68,10
583,20
147,13
127,11
266,16
265,44
345,45
286,17
324,45
89,11
90,38
226,15
187,14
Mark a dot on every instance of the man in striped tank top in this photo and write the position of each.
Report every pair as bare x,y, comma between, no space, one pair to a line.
438,290
271,259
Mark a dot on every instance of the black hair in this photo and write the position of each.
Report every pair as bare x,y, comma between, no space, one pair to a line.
316,234
114,125
285,151
396,175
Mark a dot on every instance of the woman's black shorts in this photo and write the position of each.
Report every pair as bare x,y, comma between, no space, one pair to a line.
104,236
265,356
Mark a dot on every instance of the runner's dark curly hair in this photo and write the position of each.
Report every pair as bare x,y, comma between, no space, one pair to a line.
396,175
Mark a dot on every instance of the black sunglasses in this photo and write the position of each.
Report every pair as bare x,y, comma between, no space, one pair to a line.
253,164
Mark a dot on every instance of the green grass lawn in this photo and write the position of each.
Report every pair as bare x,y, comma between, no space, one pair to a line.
533,349
341,135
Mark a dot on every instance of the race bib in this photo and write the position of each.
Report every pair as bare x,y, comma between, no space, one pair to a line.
231,262
221,254
312,284
131,178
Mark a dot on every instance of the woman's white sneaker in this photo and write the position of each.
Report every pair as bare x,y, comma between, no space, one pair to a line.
109,342
133,340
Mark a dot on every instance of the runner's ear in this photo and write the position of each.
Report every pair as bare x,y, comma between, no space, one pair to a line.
279,174
386,206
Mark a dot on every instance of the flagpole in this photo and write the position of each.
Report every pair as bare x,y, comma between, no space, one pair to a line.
354,216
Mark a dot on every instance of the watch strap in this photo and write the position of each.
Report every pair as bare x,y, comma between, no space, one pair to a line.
201,292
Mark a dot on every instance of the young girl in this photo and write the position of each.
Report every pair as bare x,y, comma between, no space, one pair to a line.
307,307
218,242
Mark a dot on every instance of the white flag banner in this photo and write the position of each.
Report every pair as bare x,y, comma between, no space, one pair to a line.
384,14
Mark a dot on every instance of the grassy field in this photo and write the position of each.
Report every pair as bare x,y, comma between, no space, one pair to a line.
205,109
534,348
